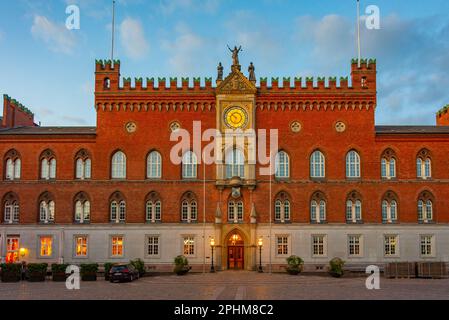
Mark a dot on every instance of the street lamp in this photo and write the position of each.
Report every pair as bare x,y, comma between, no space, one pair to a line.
260,243
22,252
212,245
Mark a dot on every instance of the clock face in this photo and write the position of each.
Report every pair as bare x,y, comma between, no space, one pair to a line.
236,117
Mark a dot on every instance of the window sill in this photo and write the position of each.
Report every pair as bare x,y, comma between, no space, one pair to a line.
284,222
318,223
46,223
428,222
81,223
318,179
155,222
356,222
390,222
120,222
189,222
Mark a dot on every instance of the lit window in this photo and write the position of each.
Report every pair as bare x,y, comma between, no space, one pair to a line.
153,246
427,246
189,246
118,165
46,246
154,165
12,249
391,245
317,165
235,211
81,246
189,165
282,245
319,245
117,246
282,165
352,165
355,245
235,164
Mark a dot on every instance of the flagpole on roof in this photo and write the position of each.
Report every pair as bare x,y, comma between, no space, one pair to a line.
358,34
113,31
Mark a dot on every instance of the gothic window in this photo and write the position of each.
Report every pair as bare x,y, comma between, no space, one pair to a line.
317,165
282,209
353,164
82,208
282,165
389,207
354,208
235,164
235,211
154,165
388,164
83,165
107,83
48,165
189,165
118,165
11,208
425,207
12,165
318,208
424,165
189,208
117,208
46,208
153,208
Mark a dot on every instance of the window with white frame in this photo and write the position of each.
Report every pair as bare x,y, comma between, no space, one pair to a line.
118,165
352,164
189,165
48,165
282,245
389,208
282,209
12,249
82,208
117,246
117,208
355,245
46,208
13,165
424,165
354,208
154,165
319,246
80,246
427,244
318,208
189,246
235,164
11,208
189,208
83,165
425,207
282,165
235,211
391,245
388,164
153,208
46,246
153,246
317,165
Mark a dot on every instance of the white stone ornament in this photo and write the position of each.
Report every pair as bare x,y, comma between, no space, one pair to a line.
340,127
295,126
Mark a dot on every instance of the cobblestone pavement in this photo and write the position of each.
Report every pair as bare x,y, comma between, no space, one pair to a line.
231,285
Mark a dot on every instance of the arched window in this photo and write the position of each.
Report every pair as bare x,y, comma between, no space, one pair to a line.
235,164
388,164
46,208
235,211
424,165
82,208
107,83
282,209
48,165
189,165
352,164
317,165
282,165
318,208
118,165
12,165
117,208
354,208
11,208
189,208
154,165
83,165
389,208
425,207
153,208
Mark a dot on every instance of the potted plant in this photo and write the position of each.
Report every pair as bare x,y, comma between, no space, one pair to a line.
140,266
89,271
295,265
107,268
336,267
58,272
181,265
36,272
11,272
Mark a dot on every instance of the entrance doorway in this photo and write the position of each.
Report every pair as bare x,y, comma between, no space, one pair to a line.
236,252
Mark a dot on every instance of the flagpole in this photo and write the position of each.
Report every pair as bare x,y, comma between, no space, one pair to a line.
358,34
113,31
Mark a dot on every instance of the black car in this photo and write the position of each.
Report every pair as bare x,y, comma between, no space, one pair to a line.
123,272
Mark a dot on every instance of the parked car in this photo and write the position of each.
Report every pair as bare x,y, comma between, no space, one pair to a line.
123,272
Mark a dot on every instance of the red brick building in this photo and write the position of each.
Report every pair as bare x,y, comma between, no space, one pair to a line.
343,186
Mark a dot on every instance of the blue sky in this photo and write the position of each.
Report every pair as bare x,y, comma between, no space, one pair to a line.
51,69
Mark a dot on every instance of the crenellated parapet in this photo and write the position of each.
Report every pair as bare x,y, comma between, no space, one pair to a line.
443,116
18,105
16,114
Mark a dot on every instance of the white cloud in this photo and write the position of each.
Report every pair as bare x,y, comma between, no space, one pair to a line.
132,37
57,37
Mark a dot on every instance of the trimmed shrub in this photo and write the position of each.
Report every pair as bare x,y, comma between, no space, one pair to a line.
336,267
89,271
295,264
